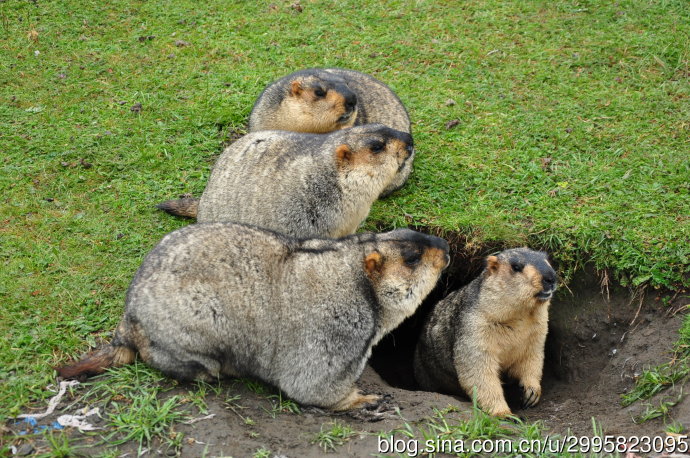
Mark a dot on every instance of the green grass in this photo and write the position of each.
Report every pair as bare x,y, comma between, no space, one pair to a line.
136,408
573,136
334,435
60,446
281,405
478,434
656,379
262,453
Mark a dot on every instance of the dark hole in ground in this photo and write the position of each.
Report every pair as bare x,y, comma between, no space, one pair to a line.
597,345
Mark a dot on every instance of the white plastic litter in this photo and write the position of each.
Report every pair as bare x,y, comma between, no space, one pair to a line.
194,420
54,401
79,421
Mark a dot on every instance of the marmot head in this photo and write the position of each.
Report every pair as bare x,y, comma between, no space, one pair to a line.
318,103
403,268
374,149
522,274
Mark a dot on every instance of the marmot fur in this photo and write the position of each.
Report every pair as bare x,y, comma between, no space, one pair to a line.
224,299
497,324
305,185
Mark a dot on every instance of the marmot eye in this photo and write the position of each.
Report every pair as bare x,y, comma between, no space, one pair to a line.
319,92
517,266
377,147
413,260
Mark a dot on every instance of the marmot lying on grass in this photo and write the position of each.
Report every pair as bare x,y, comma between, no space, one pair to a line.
321,100
305,185
497,323
223,299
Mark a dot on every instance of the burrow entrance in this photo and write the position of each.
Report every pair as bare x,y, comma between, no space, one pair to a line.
600,340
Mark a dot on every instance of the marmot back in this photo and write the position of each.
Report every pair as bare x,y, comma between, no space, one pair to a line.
225,299
321,100
304,185
496,324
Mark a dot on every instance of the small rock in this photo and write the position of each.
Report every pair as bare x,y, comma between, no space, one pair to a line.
25,449
569,129
62,76
297,7
181,43
136,108
49,199
648,332
450,102
119,235
452,123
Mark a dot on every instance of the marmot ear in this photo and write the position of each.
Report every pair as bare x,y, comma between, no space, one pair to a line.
295,87
343,153
373,263
492,264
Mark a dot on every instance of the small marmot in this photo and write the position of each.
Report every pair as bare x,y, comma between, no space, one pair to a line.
224,299
305,185
497,324
321,100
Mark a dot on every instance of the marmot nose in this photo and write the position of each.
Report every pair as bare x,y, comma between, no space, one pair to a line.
548,282
407,138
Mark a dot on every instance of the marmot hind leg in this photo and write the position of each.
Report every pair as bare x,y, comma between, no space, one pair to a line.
179,367
355,399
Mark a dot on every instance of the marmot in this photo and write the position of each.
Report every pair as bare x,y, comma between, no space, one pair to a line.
305,185
224,299
496,324
321,100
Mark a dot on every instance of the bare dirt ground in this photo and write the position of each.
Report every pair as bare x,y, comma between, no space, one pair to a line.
596,348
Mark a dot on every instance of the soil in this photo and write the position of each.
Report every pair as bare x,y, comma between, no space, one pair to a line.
599,342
